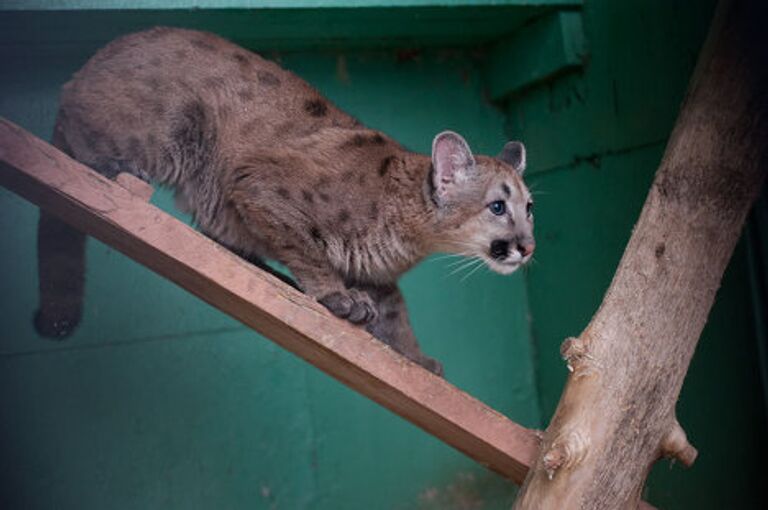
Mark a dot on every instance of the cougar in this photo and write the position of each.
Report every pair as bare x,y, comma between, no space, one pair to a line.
272,170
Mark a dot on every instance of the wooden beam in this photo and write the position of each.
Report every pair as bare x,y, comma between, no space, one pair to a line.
111,213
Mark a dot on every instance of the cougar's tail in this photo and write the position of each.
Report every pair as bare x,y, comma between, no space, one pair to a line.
61,270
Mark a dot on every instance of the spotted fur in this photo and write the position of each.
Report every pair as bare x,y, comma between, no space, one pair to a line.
271,169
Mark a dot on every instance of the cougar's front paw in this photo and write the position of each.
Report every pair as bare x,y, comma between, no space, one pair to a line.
354,305
56,326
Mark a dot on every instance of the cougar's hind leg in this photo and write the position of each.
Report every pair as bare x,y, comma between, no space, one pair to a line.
61,270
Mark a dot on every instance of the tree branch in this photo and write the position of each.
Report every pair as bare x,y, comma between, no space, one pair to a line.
616,416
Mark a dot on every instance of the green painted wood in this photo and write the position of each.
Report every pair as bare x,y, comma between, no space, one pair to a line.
637,52
187,422
262,4
282,29
540,51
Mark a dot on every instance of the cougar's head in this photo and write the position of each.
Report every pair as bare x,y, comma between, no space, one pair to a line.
484,208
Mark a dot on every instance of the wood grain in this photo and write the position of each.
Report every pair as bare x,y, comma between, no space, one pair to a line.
116,216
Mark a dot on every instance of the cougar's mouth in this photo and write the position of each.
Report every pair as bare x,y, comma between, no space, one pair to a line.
504,267
509,264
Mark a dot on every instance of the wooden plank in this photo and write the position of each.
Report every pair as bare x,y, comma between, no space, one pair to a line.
549,47
142,189
111,213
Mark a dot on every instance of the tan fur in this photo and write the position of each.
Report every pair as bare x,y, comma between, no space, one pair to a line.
269,168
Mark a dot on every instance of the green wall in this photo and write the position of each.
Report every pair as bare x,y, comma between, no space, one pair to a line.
159,401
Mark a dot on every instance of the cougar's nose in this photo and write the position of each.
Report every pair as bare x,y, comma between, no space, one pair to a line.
526,248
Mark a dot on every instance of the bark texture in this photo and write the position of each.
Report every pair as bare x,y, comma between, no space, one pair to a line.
617,414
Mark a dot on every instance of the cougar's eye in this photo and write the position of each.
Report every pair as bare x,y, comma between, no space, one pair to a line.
529,209
498,207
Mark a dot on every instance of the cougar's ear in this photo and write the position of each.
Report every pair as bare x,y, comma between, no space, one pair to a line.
513,154
453,165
